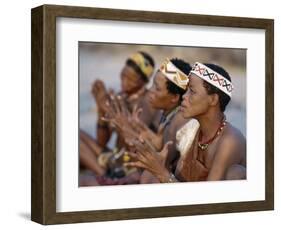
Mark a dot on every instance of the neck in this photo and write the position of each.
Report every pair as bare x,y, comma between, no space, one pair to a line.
209,124
170,109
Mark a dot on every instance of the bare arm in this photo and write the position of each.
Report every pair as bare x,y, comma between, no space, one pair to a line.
103,133
225,156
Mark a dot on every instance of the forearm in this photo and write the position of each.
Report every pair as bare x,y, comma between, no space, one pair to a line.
103,133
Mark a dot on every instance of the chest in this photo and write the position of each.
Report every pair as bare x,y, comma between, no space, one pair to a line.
206,157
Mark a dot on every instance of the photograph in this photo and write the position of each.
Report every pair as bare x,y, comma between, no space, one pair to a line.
161,114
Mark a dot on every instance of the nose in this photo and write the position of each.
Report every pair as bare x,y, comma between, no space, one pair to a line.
185,96
151,89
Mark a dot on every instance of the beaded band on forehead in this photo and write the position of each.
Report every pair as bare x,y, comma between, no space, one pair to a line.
213,78
175,75
143,64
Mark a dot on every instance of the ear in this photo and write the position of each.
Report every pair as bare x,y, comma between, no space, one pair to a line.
214,99
175,98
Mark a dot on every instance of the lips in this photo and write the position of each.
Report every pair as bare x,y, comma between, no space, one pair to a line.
182,107
150,100
150,97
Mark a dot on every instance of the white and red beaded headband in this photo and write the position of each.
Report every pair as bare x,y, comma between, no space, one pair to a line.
174,74
212,77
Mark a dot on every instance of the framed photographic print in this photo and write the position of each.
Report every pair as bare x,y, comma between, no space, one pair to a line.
96,157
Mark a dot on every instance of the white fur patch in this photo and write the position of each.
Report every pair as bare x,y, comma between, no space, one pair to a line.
185,136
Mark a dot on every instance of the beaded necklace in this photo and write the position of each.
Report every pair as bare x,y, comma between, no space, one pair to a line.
204,146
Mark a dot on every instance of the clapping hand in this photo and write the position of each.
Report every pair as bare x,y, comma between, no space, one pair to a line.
101,96
156,139
146,158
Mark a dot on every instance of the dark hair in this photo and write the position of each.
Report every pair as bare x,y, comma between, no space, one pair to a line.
223,97
132,64
185,68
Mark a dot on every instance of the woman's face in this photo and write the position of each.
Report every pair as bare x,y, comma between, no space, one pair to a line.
159,96
196,100
130,80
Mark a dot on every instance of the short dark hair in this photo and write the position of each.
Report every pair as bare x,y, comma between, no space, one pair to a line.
132,64
224,99
184,67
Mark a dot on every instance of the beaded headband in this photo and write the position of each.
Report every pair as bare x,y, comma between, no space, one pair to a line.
143,64
212,77
174,74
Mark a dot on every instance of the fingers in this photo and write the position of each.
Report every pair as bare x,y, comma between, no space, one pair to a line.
105,119
161,129
166,146
139,146
129,141
136,126
134,156
141,125
118,99
136,112
136,164
94,89
109,112
145,151
149,146
100,95
111,121
98,87
137,157
134,109
110,91
114,103
123,106
164,152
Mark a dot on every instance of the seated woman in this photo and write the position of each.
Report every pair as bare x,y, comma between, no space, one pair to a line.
218,150
134,77
169,86
165,95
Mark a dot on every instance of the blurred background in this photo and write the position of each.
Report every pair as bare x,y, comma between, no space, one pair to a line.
105,61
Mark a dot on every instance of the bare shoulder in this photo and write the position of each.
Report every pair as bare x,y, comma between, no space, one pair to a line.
232,144
232,135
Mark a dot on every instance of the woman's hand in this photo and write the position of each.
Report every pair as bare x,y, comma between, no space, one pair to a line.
145,133
101,96
146,158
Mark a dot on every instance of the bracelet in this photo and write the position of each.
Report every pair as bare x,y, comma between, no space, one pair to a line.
172,178
102,124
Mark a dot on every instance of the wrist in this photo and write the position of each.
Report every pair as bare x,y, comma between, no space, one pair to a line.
102,124
165,176
168,177
101,113
172,178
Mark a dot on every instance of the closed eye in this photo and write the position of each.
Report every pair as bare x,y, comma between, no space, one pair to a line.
191,90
